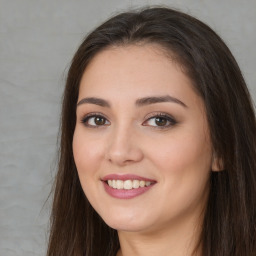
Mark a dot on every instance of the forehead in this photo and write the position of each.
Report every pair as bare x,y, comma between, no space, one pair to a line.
134,71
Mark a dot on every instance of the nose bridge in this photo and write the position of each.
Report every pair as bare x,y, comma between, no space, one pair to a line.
124,144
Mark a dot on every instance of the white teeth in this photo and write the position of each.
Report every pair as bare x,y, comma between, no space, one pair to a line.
142,183
114,184
128,184
119,184
135,184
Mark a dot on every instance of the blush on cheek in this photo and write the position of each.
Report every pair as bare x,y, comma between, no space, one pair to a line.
176,157
87,157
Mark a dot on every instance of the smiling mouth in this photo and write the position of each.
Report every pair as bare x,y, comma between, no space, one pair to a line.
128,184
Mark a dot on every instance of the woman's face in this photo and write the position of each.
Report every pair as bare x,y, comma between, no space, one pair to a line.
141,128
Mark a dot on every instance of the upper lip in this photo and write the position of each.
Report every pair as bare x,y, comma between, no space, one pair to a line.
125,177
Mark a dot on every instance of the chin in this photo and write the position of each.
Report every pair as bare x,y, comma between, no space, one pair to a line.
127,223
126,227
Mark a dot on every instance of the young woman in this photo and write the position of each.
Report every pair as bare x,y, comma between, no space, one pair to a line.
158,152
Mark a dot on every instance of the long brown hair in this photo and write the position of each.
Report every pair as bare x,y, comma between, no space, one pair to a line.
229,227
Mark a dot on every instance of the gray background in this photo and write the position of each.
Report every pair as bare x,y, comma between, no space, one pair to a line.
37,41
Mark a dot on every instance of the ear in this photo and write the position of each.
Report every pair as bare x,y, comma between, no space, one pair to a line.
217,164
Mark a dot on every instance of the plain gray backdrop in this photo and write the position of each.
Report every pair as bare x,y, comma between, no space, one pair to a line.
37,41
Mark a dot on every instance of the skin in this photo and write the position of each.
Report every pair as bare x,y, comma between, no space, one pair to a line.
177,156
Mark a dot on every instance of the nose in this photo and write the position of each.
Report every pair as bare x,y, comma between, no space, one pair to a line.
124,147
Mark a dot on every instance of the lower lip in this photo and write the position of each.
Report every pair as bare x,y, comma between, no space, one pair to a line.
125,193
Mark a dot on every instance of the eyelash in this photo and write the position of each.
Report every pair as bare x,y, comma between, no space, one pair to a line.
170,120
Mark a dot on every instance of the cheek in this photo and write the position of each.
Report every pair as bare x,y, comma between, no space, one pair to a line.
183,162
87,155
87,152
185,168
187,148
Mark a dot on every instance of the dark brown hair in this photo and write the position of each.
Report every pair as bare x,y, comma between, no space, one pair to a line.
229,227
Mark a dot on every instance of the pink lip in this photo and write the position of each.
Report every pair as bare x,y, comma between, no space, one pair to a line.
123,193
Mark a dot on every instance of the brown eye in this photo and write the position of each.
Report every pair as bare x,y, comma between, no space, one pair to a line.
161,121
95,121
99,120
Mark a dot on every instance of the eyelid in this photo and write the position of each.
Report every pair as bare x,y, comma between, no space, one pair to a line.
154,114
169,118
172,121
93,114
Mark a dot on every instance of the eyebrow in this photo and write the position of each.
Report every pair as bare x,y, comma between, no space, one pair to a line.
139,102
